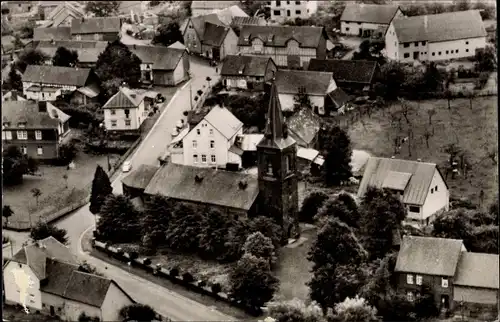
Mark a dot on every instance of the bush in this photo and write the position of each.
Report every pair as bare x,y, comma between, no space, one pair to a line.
146,261
129,32
133,255
174,272
199,92
216,288
202,283
187,277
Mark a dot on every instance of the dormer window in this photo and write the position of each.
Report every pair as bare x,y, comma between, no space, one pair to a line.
270,38
21,124
246,38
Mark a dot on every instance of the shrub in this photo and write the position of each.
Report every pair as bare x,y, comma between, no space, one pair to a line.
185,113
174,272
216,288
199,92
202,283
129,32
146,261
187,277
133,255
119,251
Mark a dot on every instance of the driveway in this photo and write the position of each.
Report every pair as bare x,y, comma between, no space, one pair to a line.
165,302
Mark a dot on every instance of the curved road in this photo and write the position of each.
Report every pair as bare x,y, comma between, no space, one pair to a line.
164,301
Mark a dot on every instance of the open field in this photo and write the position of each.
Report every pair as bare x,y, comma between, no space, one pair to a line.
474,130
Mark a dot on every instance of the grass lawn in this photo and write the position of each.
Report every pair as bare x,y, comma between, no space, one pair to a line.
473,130
55,194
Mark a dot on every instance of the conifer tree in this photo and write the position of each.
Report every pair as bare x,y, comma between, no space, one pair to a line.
101,188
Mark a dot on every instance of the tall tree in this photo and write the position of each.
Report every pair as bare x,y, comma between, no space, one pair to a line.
29,57
43,230
311,205
15,165
268,228
485,59
101,188
168,34
252,282
259,246
138,312
355,310
156,219
432,78
119,221
295,311
342,207
14,81
236,238
336,147
185,229
213,235
102,8
65,57
117,64
7,212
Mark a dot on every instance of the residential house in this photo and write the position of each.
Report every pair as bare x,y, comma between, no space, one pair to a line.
365,20
449,35
475,286
316,85
290,10
228,15
193,31
59,286
288,46
161,65
210,142
52,33
218,42
104,29
18,7
353,76
431,263
247,72
303,127
62,14
36,128
200,8
125,111
10,46
88,51
46,83
238,22
420,185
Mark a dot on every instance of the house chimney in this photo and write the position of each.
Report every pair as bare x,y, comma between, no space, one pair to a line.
42,107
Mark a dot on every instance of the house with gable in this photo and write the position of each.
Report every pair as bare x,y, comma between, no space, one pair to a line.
62,14
366,20
443,36
420,185
288,46
103,29
125,111
88,50
247,72
291,10
59,286
193,31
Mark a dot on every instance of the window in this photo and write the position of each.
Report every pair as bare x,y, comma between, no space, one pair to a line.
257,46
297,12
409,296
278,3
127,113
347,29
433,54
466,42
195,144
436,188
444,282
113,112
8,135
22,135
288,163
113,123
269,168
38,135
439,53
212,144
406,44
416,43
297,2
406,55
409,279
198,131
3,135
288,13
414,209
39,150
78,37
127,122
277,13
419,280
447,52
423,43
24,149
211,132
204,158
456,51
288,2
212,158
432,190
466,50
96,36
195,158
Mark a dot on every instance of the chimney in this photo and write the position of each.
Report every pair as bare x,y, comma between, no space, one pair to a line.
42,107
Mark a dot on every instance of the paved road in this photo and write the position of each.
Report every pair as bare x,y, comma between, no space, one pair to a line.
165,302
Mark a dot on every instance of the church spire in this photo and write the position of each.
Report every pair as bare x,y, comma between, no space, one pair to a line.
275,123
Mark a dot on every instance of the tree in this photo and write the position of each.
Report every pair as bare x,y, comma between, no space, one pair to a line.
15,165
185,228
168,34
381,215
102,8
117,65
101,188
29,57
342,207
85,318
302,100
312,203
252,282
156,219
14,81
27,29
7,212
119,221
393,76
354,310
462,5
36,193
259,246
432,79
268,227
336,146
213,235
65,57
138,312
425,306
485,59
295,311
43,230
236,238
67,152
378,287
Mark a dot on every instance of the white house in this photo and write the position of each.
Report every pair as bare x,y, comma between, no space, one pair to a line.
441,36
211,143
290,10
365,20
125,110
199,8
56,284
420,185
316,85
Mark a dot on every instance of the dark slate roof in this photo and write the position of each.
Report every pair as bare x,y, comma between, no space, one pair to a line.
140,177
214,34
313,82
96,25
304,125
352,71
238,21
429,255
245,65
56,75
379,170
56,33
477,270
374,13
16,112
440,27
339,97
162,58
217,187
307,37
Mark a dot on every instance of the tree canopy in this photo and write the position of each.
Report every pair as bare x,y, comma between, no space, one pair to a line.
102,8
168,34
14,81
342,207
15,165
355,310
213,235
185,229
138,312
43,230
101,188
156,219
335,145
259,246
119,221
65,57
295,311
29,57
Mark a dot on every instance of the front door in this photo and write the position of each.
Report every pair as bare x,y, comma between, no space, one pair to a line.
360,32
52,311
415,55
445,302
216,54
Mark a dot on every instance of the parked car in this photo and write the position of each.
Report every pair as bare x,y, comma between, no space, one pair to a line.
127,166
160,98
